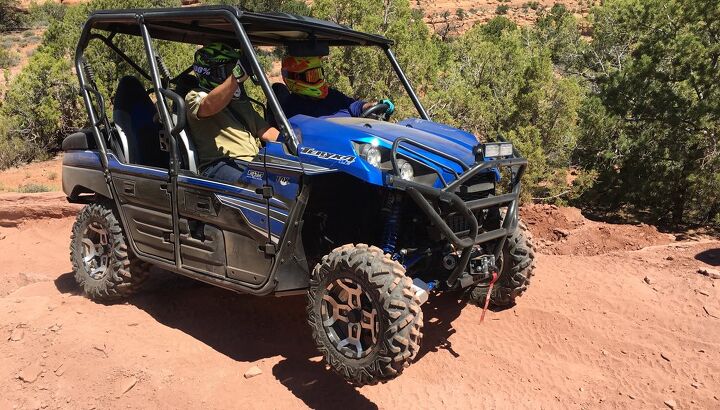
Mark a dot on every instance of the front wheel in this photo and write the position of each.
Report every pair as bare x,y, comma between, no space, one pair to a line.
365,318
516,268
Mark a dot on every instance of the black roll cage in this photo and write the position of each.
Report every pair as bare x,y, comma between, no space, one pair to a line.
162,24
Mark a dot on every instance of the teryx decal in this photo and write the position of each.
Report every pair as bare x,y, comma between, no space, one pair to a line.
343,159
254,174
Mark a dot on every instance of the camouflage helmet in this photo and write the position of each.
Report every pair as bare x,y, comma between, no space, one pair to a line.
214,63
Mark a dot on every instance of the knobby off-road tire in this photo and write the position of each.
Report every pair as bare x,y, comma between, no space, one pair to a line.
103,267
359,282
518,264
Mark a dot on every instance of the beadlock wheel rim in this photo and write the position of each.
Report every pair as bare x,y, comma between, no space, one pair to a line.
95,250
349,318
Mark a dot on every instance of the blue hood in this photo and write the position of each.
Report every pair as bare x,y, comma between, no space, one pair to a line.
328,142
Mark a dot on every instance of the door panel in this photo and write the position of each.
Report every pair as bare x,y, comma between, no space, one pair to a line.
202,247
151,231
245,261
236,217
145,201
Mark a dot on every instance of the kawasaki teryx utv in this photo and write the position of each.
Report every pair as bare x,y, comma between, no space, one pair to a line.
364,216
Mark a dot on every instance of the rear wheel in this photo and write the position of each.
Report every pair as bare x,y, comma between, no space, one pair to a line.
365,318
516,268
103,267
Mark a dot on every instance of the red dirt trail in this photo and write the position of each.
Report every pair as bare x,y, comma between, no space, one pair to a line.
591,332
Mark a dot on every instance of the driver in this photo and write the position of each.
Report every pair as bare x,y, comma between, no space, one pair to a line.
311,95
224,126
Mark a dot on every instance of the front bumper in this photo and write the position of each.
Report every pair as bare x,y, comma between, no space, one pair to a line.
430,199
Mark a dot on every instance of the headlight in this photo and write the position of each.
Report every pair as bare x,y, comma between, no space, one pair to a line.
379,157
406,170
371,154
498,149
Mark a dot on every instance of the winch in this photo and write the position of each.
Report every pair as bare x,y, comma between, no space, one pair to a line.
481,268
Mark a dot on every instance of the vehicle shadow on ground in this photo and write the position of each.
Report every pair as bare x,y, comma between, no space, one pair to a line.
439,312
249,329
710,256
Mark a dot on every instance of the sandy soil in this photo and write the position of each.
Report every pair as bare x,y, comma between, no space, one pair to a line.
619,327
45,173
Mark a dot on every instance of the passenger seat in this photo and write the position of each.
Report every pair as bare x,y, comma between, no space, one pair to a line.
133,113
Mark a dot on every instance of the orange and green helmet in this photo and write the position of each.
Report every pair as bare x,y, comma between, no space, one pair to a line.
305,76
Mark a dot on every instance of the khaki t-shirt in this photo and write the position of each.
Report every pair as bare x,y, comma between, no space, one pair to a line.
229,133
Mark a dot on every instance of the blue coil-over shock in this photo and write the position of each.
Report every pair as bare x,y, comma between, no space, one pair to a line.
392,209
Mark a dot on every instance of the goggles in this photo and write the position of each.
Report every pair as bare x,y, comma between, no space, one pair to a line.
310,76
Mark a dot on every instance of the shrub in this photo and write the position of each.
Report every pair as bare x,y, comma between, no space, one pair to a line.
496,83
42,14
11,16
14,151
33,188
7,59
41,106
502,9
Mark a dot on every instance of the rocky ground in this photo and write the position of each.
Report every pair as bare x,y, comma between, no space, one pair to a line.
617,316
457,16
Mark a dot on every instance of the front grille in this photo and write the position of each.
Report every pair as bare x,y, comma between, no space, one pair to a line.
459,224
477,187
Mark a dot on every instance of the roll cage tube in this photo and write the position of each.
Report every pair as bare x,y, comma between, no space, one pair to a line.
85,92
171,129
108,42
406,83
285,128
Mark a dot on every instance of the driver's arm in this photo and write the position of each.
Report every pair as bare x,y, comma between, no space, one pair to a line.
219,97
269,134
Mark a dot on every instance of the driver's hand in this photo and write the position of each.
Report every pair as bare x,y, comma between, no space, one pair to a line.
242,70
391,106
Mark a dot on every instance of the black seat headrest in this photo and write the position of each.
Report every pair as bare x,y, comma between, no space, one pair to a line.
130,91
184,83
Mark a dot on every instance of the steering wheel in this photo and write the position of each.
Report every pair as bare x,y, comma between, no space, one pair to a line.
377,111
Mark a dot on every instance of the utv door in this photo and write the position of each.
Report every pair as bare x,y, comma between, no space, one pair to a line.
139,166
224,227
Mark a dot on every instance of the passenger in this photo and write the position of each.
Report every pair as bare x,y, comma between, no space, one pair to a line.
223,123
311,95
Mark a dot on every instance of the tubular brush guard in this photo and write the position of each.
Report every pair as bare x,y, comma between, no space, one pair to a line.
427,197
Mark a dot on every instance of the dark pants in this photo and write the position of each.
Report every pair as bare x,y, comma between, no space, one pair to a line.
226,170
